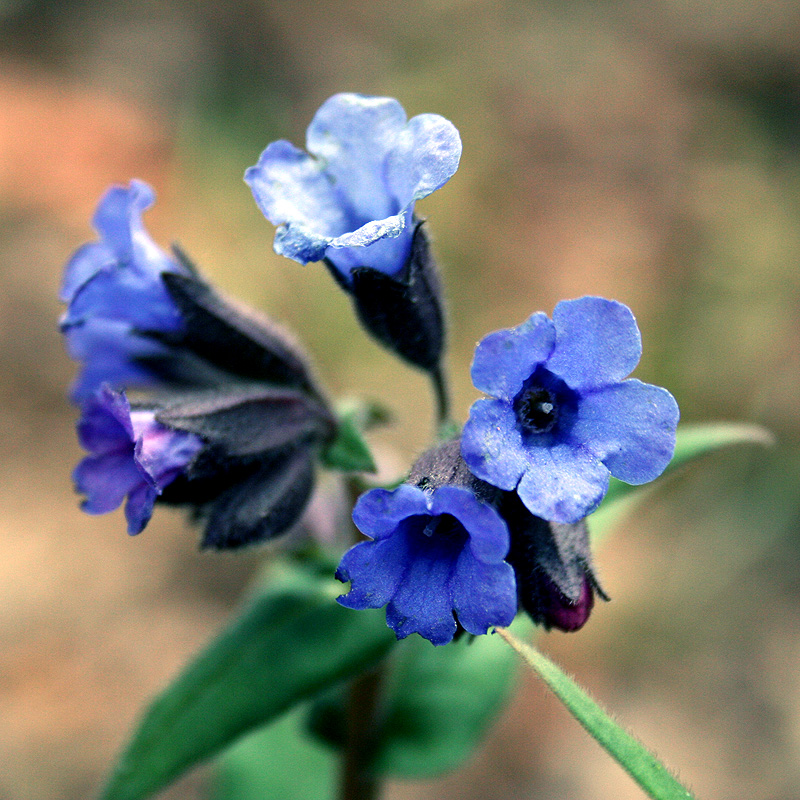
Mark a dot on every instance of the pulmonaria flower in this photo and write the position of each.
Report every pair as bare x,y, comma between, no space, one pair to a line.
350,203
219,380
562,418
552,562
116,295
436,555
351,200
132,455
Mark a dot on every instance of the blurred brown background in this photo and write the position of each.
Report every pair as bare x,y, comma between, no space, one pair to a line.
646,151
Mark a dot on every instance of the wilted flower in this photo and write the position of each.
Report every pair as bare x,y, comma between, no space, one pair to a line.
562,417
552,562
132,455
116,295
436,553
351,201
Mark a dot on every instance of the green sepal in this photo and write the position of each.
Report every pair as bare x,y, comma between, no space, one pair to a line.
349,451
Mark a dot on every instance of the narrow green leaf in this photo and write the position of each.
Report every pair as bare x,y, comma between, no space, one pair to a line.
656,780
285,647
440,702
695,440
278,762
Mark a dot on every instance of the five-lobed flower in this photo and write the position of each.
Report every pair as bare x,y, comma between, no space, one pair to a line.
562,417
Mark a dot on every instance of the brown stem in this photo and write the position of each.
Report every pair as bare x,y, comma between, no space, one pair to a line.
358,781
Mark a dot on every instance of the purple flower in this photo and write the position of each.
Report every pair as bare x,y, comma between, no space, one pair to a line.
131,455
562,418
115,295
351,202
432,555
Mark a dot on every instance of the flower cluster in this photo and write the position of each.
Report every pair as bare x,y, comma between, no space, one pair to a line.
228,420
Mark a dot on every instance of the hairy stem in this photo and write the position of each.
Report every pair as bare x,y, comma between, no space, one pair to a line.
442,394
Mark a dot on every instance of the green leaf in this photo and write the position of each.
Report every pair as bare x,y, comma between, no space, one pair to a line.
285,647
277,762
440,701
349,452
693,441
630,754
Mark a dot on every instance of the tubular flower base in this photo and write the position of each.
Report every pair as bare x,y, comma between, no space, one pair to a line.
562,418
433,555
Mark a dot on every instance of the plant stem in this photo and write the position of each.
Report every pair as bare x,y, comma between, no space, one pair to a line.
358,780
442,394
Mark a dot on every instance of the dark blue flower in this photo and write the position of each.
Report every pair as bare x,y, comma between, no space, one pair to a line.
562,417
132,455
433,554
351,201
115,295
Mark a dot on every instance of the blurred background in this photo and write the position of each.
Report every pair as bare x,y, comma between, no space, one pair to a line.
646,151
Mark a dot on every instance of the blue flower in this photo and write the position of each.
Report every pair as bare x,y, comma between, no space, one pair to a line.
432,554
115,295
351,201
562,417
132,455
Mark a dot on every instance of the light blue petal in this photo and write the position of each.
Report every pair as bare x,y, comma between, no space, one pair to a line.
597,342
161,452
85,263
505,359
563,483
492,445
484,595
424,157
352,135
630,427
291,188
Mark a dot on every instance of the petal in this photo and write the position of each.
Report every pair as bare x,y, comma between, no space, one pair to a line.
489,539
422,603
563,483
630,427
124,294
352,135
85,263
484,595
492,445
139,508
374,570
379,511
292,189
118,211
160,452
424,157
105,424
384,245
597,342
105,480
505,359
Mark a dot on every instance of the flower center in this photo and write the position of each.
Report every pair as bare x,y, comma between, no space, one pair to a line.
537,410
